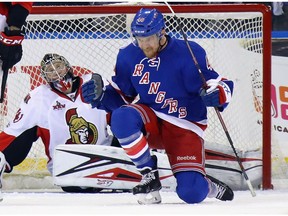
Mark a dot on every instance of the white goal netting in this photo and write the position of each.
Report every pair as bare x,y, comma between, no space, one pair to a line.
90,42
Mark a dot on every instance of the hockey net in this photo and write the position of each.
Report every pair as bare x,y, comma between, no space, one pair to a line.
236,38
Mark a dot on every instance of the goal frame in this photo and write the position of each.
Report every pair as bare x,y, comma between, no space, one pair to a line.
202,8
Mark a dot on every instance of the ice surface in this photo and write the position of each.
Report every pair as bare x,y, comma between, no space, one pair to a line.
55,202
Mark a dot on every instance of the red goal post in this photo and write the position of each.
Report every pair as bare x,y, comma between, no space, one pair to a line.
237,38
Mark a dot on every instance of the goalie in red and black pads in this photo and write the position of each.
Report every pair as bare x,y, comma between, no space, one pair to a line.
171,112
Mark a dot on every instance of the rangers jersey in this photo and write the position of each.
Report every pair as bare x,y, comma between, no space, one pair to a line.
59,118
169,83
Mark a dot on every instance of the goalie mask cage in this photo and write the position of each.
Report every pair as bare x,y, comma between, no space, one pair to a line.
236,37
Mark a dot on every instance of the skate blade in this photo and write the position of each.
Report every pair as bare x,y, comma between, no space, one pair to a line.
149,198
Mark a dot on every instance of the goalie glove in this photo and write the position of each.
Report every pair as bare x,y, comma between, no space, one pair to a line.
217,94
11,47
92,91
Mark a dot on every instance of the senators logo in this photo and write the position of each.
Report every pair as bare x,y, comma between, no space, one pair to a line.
81,131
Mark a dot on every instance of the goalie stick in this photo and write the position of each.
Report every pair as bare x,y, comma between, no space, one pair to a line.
215,108
3,75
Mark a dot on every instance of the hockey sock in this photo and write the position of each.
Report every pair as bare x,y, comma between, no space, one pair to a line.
126,125
138,151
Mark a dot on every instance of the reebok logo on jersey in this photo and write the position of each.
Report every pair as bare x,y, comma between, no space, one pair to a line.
181,158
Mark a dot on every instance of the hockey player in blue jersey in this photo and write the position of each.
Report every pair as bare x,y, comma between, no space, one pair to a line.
170,113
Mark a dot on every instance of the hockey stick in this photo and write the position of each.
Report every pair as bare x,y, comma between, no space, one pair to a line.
216,109
3,83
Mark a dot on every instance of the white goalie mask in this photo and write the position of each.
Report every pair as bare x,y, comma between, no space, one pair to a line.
57,71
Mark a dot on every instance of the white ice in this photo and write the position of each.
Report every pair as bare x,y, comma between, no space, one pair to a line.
266,202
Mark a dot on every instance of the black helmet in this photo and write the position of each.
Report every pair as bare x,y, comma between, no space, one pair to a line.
57,71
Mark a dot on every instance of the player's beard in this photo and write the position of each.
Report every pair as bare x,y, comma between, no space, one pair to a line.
150,52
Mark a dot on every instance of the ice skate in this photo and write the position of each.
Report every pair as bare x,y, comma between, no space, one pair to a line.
2,168
220,190
147,191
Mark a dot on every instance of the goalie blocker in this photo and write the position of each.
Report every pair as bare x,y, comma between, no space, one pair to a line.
92,168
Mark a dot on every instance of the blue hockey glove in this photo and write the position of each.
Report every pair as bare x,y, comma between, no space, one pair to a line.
92,91
217,94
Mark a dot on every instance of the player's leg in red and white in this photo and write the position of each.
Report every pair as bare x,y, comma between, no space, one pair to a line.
186,153
128,125
13,150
